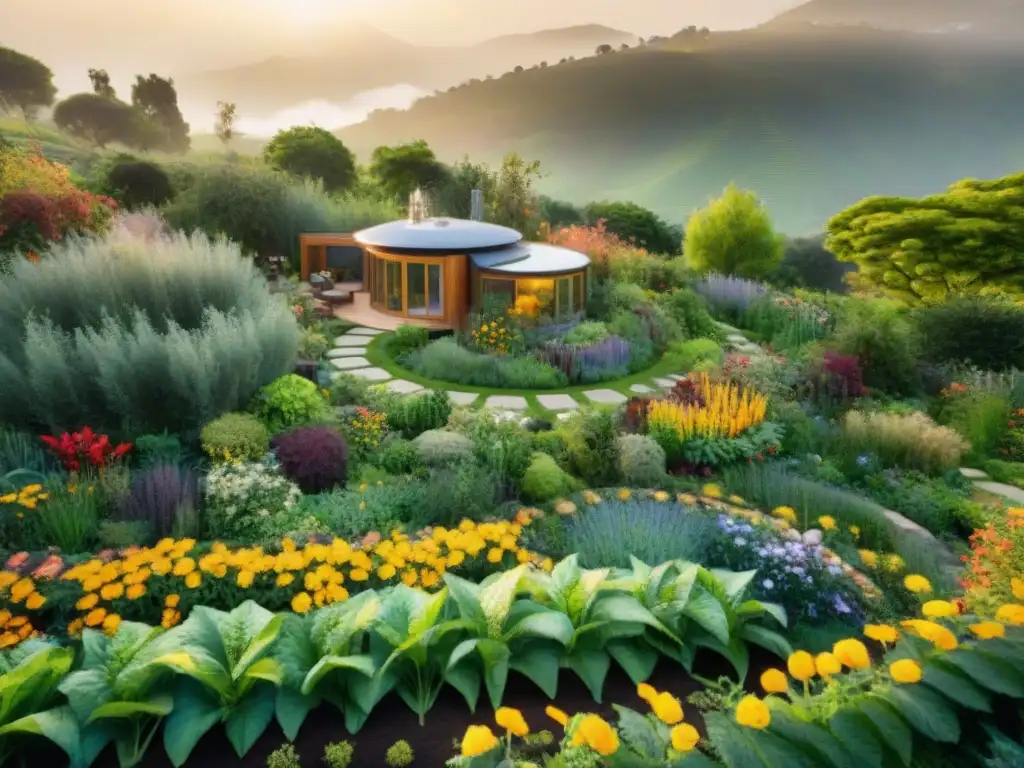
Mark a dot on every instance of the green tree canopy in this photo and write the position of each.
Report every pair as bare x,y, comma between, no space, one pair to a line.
161,124
403,168
315,153
634,223
25,82
732,235
98,119
967,240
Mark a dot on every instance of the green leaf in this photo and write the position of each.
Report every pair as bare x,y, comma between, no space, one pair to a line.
742,747
705,609
695,759
636,657
816,741
495,656
926,711
249,719
734,583
195,712
465,678
291,709
890,726
619,609
553,625
591,666
638,732
857,735
466,595
767,639
264,638
540,665
362,663
496,599
988,671
955,685
58,725
160,706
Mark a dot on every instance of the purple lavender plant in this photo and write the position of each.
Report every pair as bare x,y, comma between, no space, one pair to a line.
729,295
164,496
605,360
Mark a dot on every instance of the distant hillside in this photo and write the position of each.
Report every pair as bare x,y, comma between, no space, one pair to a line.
363,58
812,121
994,18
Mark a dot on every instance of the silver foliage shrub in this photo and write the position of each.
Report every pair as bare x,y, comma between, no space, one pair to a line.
135,334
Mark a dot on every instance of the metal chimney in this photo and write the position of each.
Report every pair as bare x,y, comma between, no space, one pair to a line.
416,207
476,205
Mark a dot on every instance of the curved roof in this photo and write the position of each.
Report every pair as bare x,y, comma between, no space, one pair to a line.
531,259
437,235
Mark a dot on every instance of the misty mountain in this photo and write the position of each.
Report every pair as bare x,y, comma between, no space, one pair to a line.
990,18
340,63
811,120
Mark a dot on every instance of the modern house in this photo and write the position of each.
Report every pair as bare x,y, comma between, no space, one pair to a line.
433,272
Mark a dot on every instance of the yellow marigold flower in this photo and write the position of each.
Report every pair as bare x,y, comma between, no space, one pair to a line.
479,740
667,708
244,579
987,630
894,563
590,498
87,602
512,721
8,498
172,601
774,681
868,558
826,664
646,692
1011,614
936,634
624,494
111,623
162,566
801,666
753,713
1017,585
5,616
193,580
429,578
7,578
494,555
8,639
112,591
712,490
917,584
852,653
135,591
284,579
358,574
95,617
597,734
21,589
557,715
302,602
881,633
75,627
684,737
547,564
565,508
35,601
939,609
661,496
827,523
1015,512
854,531
905,671
386,571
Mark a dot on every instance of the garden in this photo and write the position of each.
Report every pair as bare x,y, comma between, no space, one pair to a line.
805,548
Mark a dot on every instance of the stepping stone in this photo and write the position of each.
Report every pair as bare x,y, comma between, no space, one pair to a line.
363,332
350,341
349,363
557,402
346,352
675,376
973,474
403,387
641,388
606,396
1011,492
463,398
736,338
371,374
665,383
511,402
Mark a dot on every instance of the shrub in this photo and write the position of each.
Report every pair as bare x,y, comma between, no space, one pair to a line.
545,480
313,345
910,441
289,401
406,339
687,354
114,534
983,418
399,457
932,504
415,415
503,446
884,342
607,534
641,461
164,498
249,501
339,754
284,757
314,458
138,336
314,153
347,389
445,360
70,520
137,184
399,755
591,444
729,296
157,449
19,450
438,447
235,437
985,331
589,332
691,311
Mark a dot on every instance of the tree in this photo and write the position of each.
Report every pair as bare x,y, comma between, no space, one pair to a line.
733,235
807,263
101,83
512,202
315,153
518,68
162,125
559,213
225,125
601,50
401,169
96,118
967,240
25,82
634,223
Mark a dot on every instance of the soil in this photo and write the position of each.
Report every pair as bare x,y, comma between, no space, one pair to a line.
434,742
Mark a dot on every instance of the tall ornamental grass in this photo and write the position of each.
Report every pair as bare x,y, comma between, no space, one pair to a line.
133,335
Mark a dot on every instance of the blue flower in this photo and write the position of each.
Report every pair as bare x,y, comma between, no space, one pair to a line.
768,584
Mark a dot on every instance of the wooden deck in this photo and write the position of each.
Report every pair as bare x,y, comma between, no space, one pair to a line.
361,313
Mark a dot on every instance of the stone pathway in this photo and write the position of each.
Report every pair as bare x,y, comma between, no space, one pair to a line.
983,483
348,357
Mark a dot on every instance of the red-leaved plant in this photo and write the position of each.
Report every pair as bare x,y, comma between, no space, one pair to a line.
85,449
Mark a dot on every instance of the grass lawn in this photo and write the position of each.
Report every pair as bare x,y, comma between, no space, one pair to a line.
377,353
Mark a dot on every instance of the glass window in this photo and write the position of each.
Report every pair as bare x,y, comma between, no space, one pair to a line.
564,297
497,292
435,295
543,290
345,262
416,279
393,271
378,281
578,302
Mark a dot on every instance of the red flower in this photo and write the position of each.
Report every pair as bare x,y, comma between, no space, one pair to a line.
74,448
